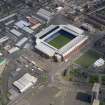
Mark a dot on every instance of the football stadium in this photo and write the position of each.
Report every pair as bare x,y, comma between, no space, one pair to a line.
61,42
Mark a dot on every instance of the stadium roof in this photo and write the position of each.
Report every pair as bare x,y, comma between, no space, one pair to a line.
72,44
49,50
46,30
43,47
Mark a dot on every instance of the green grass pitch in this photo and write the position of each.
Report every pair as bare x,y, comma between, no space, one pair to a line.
60,41
88,58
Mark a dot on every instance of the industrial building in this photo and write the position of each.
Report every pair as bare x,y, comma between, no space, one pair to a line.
61,42
4,39
15,32
25,82
13,50
21,42
45,14
35,22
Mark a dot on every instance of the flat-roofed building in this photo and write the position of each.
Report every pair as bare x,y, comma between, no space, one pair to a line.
13,50
45,14
4,39
21,24
21,42
35,23
15,32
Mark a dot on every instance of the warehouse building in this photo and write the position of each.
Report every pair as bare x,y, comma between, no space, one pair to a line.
61,42
15,32
21,42
4,39
25,82
45,14
13,50
35,22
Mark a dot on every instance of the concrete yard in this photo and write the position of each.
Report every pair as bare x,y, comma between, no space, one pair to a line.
53,96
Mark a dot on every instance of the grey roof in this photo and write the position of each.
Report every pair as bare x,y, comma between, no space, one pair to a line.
15,32
21,42
44,31
45,14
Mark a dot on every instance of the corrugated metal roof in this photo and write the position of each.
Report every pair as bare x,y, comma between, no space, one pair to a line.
27,29
15,32
44,31
25,82
12,50
7,17
4,39
75,29
45,49
73,44
45,14
21,42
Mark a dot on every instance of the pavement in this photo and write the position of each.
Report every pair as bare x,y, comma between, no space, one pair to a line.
56,91
51,95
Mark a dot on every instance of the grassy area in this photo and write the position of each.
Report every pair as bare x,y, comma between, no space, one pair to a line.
60,41
75,72
3,101
102,12
1,81
72,74
93,79
88,58
2,61
45,78
103,80
68,78
102,103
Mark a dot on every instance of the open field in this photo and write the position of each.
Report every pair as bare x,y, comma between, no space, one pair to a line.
2,61
88,58
60,41
93,79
